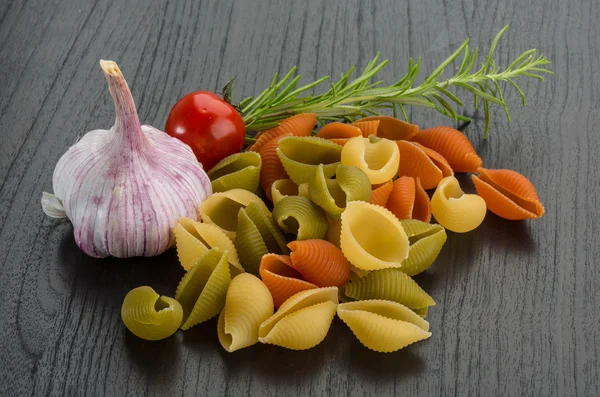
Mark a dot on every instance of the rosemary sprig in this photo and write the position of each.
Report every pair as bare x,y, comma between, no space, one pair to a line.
349,98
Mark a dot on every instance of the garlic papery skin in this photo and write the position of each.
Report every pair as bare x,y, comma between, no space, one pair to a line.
125,188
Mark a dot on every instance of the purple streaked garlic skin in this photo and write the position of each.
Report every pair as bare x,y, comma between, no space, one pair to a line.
125,188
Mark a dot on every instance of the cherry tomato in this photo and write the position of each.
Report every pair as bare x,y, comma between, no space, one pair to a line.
211,126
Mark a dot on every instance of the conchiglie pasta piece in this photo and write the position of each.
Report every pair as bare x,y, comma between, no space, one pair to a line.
422,208
351,184
221,209
201,291
417,164
334,230
372,237
378,158
409,200
188,244
508,194
304,330
383,326
389,284
281,278
301,156
319,262
367,127
298,215
437,159
454,209
393,128
299,125
213,237
238,171
283,188
453,145
150,316
381,193
272,169
303,190
247,305
426,242
338,130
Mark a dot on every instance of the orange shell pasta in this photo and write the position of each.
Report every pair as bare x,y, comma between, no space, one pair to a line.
437,159
381,193
393,128
298,125
367,127
453,145
338,130
272,170
416,163
279,276
408,200
320,262
508,194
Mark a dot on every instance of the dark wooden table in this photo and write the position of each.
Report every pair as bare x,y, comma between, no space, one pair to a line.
517,302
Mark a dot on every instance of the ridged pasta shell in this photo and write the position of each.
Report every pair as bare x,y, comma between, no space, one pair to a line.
272,169
188,244
338,130
378,158
389,284
302,321
417,164
367,127
301,156
454,209
334,230
298,215
372,237
383,326
381,193
437,159
150,316
214,237
283,188
238,171
257,235
303,190
393,128
221,209
281,278
247,305
351,184
426,242
201,291
453,145
319,262
508,194
299,125
408,200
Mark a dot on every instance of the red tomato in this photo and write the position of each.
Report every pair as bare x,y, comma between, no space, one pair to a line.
211,126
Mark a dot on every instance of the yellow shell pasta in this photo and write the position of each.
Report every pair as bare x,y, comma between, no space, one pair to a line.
221,209
383,326
150,316
389,284
426,242
248,304
378,158
454,209
302,321
301,156
351,184
238,171
283,188
193,239
372,237
201,291
298,215
303,190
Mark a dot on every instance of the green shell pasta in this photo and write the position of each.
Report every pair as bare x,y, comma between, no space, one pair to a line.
301,156
150,316
238,171
283,188
426,242
202,290
389,284
298,215
351,184
257,235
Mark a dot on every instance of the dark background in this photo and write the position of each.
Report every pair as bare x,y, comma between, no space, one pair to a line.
517,302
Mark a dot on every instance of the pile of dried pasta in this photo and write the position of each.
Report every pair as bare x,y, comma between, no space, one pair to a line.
350,222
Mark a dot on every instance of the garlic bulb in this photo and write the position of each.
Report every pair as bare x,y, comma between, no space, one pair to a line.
125,188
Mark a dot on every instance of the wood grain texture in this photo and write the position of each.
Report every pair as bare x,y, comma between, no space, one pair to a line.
517,302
